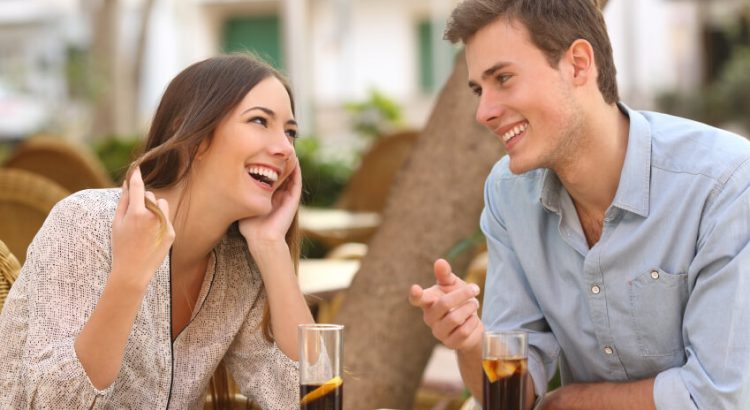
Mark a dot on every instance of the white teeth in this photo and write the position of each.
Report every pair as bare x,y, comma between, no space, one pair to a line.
266,172
515,131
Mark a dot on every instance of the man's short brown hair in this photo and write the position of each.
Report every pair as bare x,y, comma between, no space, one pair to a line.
553,26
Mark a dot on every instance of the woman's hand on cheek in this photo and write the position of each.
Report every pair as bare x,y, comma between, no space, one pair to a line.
271,228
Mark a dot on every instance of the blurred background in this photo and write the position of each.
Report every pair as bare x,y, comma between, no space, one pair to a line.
92,71
80,80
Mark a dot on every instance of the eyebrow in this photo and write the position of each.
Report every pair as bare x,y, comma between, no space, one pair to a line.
268,112
490,71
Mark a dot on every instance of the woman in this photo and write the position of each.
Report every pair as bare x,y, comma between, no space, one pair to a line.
130,298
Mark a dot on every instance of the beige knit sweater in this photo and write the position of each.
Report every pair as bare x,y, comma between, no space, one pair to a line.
60,283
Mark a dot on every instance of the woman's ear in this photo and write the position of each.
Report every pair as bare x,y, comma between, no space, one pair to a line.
580,56
202,149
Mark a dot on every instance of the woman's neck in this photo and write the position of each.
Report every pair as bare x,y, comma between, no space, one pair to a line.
197,229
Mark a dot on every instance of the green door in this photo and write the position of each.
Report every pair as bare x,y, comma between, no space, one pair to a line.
257,34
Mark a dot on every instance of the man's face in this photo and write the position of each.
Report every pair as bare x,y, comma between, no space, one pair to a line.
528,104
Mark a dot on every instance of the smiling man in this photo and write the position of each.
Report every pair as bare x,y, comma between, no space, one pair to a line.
617,238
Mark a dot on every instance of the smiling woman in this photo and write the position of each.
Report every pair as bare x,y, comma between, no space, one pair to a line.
132,297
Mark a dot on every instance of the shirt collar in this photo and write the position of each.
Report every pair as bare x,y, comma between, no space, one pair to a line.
634,186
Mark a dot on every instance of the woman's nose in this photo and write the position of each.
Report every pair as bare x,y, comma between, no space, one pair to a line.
282,146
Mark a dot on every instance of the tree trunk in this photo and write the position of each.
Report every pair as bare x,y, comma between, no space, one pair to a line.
104,52
119,75
435,203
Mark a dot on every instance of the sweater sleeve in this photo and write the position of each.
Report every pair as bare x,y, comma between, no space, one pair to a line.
62,279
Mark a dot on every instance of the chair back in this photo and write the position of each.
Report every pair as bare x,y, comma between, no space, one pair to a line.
9,269
71,166
25,201
368,188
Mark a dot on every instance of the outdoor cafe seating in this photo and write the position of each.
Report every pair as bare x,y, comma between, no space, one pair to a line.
356,214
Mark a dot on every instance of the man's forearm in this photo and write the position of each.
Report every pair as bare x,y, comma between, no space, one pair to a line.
615,396
470,364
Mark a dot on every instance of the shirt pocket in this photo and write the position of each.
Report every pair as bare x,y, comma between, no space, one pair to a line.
658,300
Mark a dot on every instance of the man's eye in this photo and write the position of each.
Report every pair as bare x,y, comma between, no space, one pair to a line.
503,78
259,120
476,91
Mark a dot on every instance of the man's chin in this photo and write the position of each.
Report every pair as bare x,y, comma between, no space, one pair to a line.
519,167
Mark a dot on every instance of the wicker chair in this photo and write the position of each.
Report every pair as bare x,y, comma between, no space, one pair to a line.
368,187
221,384
9,268
25,201
70,166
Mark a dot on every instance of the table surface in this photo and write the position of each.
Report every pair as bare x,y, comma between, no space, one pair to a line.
325,277
327,219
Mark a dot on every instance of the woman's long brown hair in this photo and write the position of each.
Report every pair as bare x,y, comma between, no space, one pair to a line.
193,105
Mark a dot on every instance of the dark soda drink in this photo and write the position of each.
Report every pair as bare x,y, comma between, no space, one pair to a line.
327,396
503,383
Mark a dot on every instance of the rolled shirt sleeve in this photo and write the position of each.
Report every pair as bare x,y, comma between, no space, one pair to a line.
716,324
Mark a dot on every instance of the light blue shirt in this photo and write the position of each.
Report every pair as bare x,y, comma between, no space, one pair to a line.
665,291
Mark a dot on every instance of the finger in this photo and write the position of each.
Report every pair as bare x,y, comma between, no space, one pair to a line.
163,205
296,186
460,334
443,274
424,298
294,179
122,204
136,191
415,295
150,196
455,318
452,300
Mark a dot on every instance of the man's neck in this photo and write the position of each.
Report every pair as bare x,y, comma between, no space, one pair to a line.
592,178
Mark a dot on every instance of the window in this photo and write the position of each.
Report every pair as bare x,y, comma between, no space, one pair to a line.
426,71
257,34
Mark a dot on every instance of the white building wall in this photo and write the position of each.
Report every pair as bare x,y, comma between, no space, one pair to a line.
356,45
656,47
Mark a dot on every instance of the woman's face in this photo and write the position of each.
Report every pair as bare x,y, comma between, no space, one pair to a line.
251,153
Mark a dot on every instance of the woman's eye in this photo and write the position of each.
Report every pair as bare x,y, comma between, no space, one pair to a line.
259,120
291,133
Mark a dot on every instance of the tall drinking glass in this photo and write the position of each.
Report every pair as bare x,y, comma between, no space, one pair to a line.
504,361
321,385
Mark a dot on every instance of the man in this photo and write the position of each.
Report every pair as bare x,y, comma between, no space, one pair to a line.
616,238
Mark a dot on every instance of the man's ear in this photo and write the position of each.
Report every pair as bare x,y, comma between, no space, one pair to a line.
580,56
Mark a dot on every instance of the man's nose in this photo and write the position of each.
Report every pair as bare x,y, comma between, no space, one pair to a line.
489,110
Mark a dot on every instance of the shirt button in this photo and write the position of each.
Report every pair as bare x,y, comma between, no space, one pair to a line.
595,289
654,274
608,350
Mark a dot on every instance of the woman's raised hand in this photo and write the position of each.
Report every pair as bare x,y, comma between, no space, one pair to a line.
271,228
140,238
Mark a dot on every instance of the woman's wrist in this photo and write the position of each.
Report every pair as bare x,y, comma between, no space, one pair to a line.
128,282
259,247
